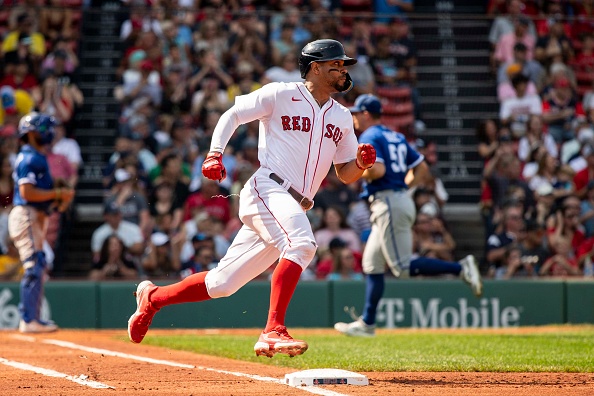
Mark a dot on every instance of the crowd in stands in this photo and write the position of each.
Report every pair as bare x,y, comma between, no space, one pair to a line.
181,68
38,71
183,63
538,181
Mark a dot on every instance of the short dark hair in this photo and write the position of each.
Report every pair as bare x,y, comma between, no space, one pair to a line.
519,79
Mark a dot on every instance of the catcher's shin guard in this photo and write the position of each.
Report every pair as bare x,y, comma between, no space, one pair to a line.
32,287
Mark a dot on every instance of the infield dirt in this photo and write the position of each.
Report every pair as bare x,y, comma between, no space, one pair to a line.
130,377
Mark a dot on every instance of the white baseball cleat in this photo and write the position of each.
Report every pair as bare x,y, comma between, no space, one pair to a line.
471,274
35,326
358,328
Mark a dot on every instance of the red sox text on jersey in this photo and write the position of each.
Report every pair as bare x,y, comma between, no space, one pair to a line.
303,124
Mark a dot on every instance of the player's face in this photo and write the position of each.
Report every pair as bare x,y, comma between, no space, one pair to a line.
38,142
335,74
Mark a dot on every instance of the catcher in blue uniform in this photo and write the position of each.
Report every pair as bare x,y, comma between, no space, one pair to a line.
34,197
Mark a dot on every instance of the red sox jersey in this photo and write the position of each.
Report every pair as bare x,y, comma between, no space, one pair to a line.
298,140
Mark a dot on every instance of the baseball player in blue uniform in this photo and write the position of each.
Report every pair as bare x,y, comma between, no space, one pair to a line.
393,215
34,197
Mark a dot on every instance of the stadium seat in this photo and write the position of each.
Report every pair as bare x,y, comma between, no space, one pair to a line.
72,3
400,109
584,78
395,93
379,30
398,123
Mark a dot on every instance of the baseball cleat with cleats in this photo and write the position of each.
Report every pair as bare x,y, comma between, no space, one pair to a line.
278,340
358,328
35,326
139,322
471,274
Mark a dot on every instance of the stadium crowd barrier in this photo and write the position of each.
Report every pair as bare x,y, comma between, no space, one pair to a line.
406,304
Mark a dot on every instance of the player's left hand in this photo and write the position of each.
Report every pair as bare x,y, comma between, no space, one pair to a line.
365,156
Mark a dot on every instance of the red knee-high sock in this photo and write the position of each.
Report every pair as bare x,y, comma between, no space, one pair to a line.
191,289
283,284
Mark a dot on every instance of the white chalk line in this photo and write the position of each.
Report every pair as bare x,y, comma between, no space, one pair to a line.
66,344
107,352
51,373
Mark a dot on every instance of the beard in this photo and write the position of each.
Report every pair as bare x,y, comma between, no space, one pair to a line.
344,86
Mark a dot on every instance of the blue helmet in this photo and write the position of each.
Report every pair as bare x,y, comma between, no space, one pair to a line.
40,123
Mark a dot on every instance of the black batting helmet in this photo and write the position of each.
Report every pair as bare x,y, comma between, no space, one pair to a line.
320,51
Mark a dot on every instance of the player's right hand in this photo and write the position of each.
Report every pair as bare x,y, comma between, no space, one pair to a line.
213,167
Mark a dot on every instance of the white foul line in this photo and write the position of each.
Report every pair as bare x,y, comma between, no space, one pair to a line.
66,344
51,373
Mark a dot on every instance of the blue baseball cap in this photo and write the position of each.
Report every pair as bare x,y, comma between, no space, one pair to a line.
368,103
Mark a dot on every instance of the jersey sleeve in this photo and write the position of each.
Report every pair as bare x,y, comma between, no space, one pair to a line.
413,157
347,148
257,105
371,138
26,172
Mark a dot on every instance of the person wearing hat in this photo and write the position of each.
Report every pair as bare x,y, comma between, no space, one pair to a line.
544,202
128,232
392,216
160,260
131,201
519,64
530,253
14,103
139,79
35,197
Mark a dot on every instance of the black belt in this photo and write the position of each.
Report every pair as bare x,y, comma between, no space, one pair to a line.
305,202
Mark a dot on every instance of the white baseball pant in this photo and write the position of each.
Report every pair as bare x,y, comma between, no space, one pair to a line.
274,225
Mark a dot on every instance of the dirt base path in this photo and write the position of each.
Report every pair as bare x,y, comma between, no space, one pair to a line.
95,358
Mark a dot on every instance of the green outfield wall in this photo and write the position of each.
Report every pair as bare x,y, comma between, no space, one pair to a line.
406,303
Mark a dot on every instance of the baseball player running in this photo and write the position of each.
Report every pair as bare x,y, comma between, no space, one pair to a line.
302,132
392,216
34,196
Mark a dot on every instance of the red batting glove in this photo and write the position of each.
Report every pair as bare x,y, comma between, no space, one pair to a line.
213,168
365,156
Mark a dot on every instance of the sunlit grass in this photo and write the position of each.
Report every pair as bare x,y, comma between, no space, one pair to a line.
559,351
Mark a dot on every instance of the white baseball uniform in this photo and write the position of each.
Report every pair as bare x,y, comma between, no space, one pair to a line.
298,141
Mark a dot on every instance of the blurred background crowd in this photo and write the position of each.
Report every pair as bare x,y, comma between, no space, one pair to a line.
183,63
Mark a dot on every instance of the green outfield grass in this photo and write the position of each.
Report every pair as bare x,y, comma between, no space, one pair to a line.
568,349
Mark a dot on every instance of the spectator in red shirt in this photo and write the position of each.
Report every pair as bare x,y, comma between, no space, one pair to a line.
581,178
585,58
565,226
584,17
209,198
